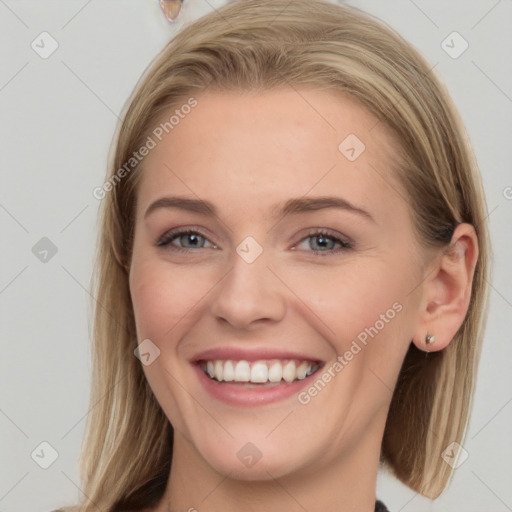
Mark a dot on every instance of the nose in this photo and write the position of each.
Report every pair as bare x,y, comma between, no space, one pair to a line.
249,294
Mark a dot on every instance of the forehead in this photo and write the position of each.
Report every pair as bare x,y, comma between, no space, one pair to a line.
247,147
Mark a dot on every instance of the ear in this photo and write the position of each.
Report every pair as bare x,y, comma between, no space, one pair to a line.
447,290
119,258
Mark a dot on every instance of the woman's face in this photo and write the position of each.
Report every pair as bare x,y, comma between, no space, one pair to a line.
255,293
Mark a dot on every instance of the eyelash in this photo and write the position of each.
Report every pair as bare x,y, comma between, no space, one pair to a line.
169,236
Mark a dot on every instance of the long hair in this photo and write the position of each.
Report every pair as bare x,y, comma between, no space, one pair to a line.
258,45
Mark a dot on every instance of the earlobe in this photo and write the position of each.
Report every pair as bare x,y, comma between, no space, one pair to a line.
447,291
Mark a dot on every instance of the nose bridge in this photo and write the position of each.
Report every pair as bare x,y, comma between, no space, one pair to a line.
250,291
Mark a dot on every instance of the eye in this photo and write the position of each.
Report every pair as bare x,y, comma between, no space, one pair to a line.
325,240
191,238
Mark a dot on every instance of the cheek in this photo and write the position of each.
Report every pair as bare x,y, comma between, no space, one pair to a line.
163,297
347,299
365,313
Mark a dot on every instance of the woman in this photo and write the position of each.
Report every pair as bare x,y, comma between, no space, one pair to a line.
291,271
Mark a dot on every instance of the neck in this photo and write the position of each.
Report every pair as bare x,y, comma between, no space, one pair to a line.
341,483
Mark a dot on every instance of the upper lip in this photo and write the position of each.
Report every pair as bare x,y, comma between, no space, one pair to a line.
244,354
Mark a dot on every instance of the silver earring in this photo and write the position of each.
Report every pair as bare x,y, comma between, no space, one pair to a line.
429,339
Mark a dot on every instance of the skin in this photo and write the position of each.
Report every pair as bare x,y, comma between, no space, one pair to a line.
245,152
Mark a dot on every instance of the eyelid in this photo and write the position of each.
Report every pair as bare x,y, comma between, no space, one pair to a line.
346,242
167,236
317,231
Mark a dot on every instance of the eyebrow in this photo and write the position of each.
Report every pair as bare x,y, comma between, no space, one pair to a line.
292,206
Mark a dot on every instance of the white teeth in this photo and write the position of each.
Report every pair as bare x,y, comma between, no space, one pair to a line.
258,372
275,372
289,371
219,370
302,369
210,369
242,372
229,371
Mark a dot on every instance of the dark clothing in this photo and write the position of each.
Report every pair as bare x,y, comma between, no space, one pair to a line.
380,507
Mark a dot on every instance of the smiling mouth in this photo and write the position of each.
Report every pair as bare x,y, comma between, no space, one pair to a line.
256,373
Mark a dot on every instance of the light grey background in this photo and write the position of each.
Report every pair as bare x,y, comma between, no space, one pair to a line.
58,116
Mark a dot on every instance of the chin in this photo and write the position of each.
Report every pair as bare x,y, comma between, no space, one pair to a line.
247,461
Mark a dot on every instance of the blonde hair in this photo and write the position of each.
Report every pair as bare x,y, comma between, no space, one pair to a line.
258,45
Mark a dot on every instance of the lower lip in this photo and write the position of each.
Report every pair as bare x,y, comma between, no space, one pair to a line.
239,394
